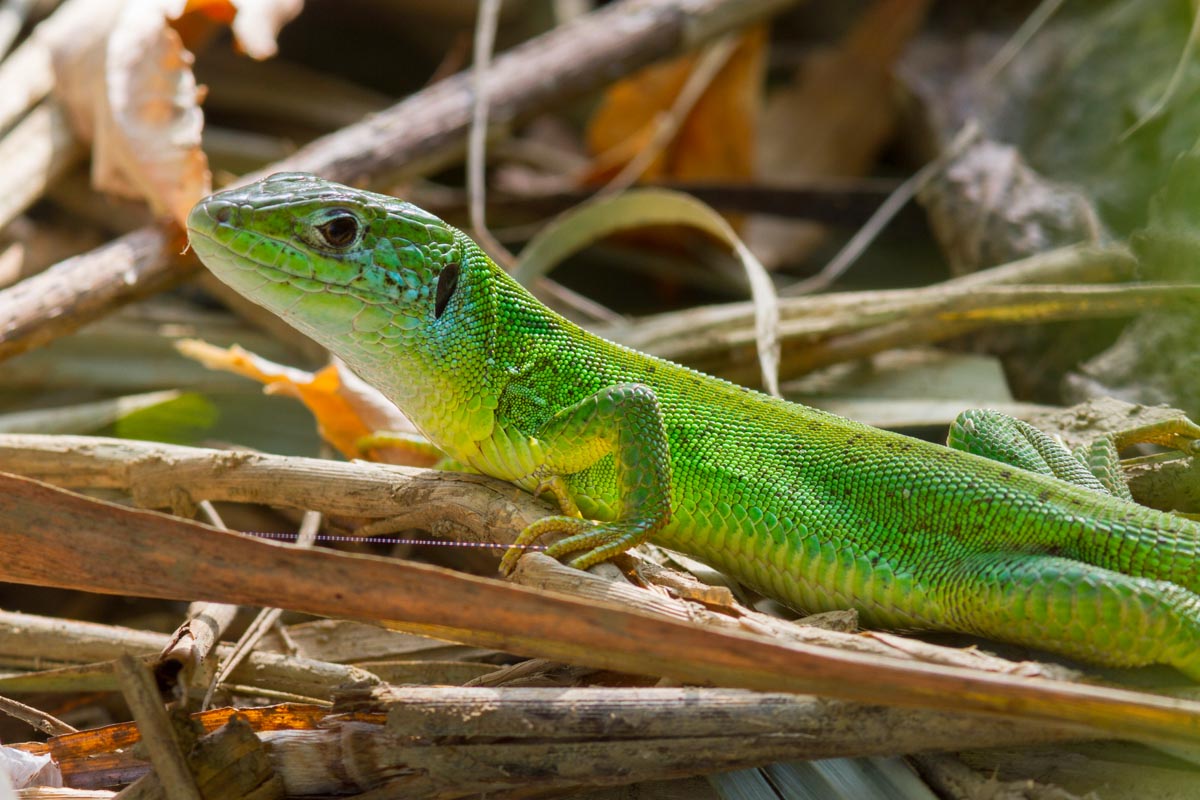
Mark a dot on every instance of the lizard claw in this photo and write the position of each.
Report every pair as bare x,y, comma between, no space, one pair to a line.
573,527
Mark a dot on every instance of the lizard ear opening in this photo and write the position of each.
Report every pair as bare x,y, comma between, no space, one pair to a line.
447,283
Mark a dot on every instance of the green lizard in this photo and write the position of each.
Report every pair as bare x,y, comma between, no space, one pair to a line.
1015,540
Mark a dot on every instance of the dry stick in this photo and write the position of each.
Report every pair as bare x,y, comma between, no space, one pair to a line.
570,736
487,18
829,329
78,290
996,306
52,537
595,727
191,644
1077,263
35,154
158,735
676,331
88,649
887,211
197,637
667,125
34,717
12,18
27,75
471,508
267,617
421,133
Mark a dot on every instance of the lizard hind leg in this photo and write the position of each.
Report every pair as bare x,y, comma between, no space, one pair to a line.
1008,440
1076,609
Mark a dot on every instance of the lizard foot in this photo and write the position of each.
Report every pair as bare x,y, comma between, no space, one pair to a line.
573,527
601,541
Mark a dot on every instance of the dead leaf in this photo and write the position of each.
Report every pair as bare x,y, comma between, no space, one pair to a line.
148,119
74,37
346,408
715,140
134,96
832,121
255,23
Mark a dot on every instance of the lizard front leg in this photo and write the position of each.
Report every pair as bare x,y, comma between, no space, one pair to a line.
623,421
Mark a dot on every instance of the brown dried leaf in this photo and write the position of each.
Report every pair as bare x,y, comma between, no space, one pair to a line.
832,121
715,140
255,23
148,119
346,408
75,37
131,92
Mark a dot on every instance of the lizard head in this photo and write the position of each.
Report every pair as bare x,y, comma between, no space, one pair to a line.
377,281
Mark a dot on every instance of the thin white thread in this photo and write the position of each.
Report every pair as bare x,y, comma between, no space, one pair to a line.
329,537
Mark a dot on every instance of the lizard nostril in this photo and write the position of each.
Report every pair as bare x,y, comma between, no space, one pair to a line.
223,214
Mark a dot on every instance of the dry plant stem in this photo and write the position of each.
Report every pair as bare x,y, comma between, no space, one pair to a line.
541,572
661,334
485,39
565,751
682,731
828,329
957,314
55,538
430,128
35,154
1080,263
666,127
195,639
106,756
267,617
158,734
13,14
179,665
1018,41
33,717
266,674
82,417
230,762
470,507
419,134
887,211
55,302
62,641
27,76
66,641
621,713
691,730
171,476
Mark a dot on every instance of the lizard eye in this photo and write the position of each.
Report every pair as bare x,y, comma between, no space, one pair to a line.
447,283
339,232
